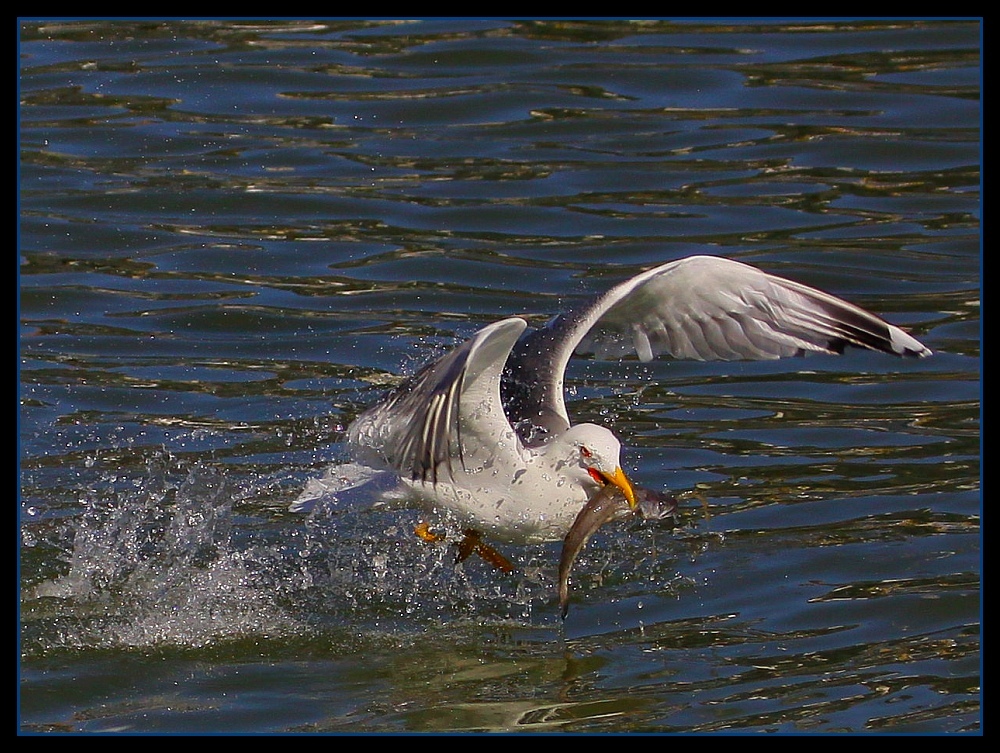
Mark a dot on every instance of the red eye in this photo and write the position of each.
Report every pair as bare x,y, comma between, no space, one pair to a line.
584,452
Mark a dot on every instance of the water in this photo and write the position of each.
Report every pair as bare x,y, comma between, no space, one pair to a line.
235,235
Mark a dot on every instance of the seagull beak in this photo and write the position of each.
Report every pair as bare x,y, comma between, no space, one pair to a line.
619,479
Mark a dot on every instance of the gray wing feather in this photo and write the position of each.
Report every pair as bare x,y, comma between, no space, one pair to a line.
417,428
700,307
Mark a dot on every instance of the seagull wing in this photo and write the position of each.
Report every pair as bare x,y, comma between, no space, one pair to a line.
447,412
700,307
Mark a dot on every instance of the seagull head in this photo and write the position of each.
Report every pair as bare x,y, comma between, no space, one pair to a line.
597,452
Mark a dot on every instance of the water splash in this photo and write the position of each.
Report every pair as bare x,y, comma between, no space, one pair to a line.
158,561
365,561
192,554
176,556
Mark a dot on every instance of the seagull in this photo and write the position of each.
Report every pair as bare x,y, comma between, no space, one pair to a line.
482,434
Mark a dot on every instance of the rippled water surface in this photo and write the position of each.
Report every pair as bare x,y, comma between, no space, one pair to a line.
236,235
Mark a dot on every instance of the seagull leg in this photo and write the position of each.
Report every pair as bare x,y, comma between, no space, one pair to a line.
472,541
423,531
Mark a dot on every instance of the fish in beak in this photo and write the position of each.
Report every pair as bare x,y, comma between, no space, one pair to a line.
608,503
619,480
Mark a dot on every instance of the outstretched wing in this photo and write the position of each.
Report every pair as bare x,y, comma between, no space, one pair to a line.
700,307
418,428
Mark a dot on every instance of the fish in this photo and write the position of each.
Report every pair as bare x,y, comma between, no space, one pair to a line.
608,503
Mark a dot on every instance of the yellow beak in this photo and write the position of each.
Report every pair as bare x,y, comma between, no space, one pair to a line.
619,479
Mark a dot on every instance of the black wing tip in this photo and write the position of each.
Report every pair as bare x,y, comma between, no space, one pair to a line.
863,329
889,345
906,346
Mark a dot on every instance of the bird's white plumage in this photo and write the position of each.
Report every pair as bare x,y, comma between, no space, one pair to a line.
483,432
448,435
